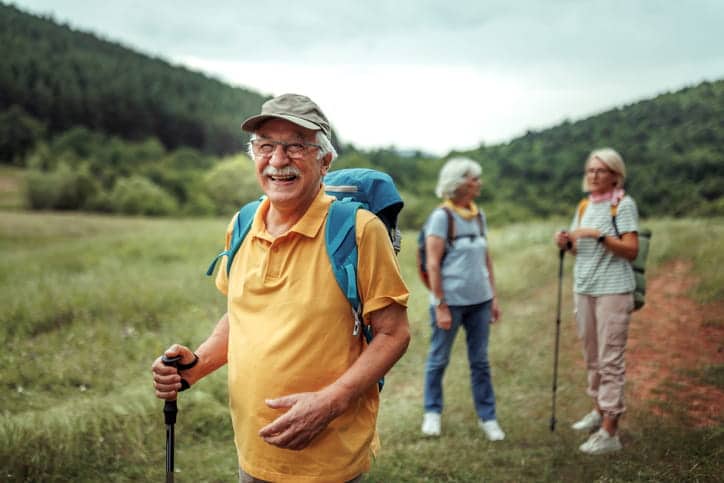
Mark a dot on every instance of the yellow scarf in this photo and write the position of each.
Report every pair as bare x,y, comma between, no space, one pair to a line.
467,213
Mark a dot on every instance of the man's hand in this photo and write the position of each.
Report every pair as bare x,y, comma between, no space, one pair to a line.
166,379
308,414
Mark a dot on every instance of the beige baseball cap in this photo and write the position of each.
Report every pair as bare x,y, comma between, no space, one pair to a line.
294,108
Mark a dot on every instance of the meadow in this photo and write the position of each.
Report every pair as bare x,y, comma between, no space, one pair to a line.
87,302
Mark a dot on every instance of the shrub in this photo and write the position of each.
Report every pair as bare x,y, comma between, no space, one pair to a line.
231,183
139,196
61,189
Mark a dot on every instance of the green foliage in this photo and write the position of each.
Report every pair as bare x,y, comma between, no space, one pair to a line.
19,133
231,183
12,187
62,189
67,78
139,196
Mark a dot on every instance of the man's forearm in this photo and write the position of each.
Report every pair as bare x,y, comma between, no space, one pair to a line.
212,352
392,336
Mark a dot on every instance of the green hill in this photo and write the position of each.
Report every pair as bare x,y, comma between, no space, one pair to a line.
56,78
672,145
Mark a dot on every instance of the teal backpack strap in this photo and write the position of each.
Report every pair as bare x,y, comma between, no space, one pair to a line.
341,239
243,223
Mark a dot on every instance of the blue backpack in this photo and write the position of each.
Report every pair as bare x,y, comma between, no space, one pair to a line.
354,188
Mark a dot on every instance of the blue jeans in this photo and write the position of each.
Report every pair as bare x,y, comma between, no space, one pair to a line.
476,320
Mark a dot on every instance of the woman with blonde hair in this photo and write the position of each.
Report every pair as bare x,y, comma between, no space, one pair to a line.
462,293
604,282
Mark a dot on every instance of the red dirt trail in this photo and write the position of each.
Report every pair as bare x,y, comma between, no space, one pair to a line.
669,338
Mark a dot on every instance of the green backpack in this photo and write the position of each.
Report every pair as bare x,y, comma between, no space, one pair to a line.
639,263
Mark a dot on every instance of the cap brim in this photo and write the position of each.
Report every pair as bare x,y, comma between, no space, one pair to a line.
251,124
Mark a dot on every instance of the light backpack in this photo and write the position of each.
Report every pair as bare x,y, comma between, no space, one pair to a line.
450,239
639,263
353,188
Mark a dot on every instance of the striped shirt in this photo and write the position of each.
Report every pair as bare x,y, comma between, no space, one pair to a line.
597,270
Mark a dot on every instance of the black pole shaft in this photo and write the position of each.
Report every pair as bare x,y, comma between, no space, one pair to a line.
169,415
169,452
558,336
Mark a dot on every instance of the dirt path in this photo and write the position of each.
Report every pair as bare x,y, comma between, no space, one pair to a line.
671,337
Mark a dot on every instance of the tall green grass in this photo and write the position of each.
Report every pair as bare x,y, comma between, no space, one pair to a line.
87,302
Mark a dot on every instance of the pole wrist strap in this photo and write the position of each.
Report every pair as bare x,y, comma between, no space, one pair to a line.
186,367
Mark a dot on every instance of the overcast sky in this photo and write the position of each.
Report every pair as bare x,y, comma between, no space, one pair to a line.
434,75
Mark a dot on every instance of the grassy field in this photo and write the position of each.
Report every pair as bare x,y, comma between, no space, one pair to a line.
87,302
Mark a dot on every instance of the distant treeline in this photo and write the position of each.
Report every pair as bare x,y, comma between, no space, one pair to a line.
64,78
103,128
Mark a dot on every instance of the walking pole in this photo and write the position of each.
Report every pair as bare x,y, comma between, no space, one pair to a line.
169,415
558,335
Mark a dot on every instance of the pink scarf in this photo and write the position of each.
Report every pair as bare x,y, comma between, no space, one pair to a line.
615,196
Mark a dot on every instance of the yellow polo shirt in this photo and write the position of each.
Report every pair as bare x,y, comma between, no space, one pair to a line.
290,331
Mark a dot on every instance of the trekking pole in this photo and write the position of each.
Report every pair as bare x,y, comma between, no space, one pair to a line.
169,415
558,334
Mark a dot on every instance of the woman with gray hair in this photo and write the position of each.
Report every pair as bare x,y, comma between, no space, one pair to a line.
462,293
604,238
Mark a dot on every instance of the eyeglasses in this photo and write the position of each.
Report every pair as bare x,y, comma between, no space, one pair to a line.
263,148
595,171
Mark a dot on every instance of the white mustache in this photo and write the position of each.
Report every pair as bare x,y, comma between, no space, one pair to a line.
285,171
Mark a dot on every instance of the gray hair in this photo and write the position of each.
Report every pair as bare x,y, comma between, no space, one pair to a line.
612,160
453,174
321,139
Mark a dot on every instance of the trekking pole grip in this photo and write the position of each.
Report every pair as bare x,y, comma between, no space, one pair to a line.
169,407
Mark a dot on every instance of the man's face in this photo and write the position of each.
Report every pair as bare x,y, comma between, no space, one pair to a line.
290,179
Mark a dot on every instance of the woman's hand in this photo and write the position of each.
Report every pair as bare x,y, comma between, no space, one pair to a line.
496,312
562,239
585,233
443,317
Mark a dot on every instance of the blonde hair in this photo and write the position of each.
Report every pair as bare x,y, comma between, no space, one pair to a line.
612,160
453,174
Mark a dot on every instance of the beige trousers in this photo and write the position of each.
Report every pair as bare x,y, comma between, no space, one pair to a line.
603,328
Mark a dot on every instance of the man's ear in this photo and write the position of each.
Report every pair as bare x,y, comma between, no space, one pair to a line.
326,163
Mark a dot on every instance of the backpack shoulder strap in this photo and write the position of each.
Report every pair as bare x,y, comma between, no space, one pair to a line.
340,239
614,210
582,205
481,225
244,219
450,225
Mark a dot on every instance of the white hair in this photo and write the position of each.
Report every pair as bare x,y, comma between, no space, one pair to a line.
612,160
321,139
453,174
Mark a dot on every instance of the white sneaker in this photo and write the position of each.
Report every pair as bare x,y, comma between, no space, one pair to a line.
491,429
601,442
431,424
590,421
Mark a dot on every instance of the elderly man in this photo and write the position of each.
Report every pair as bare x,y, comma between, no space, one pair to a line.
302,388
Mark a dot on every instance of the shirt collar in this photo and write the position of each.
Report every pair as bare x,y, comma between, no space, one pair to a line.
308,225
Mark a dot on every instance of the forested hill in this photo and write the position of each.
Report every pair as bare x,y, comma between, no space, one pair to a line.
64,78
673,146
